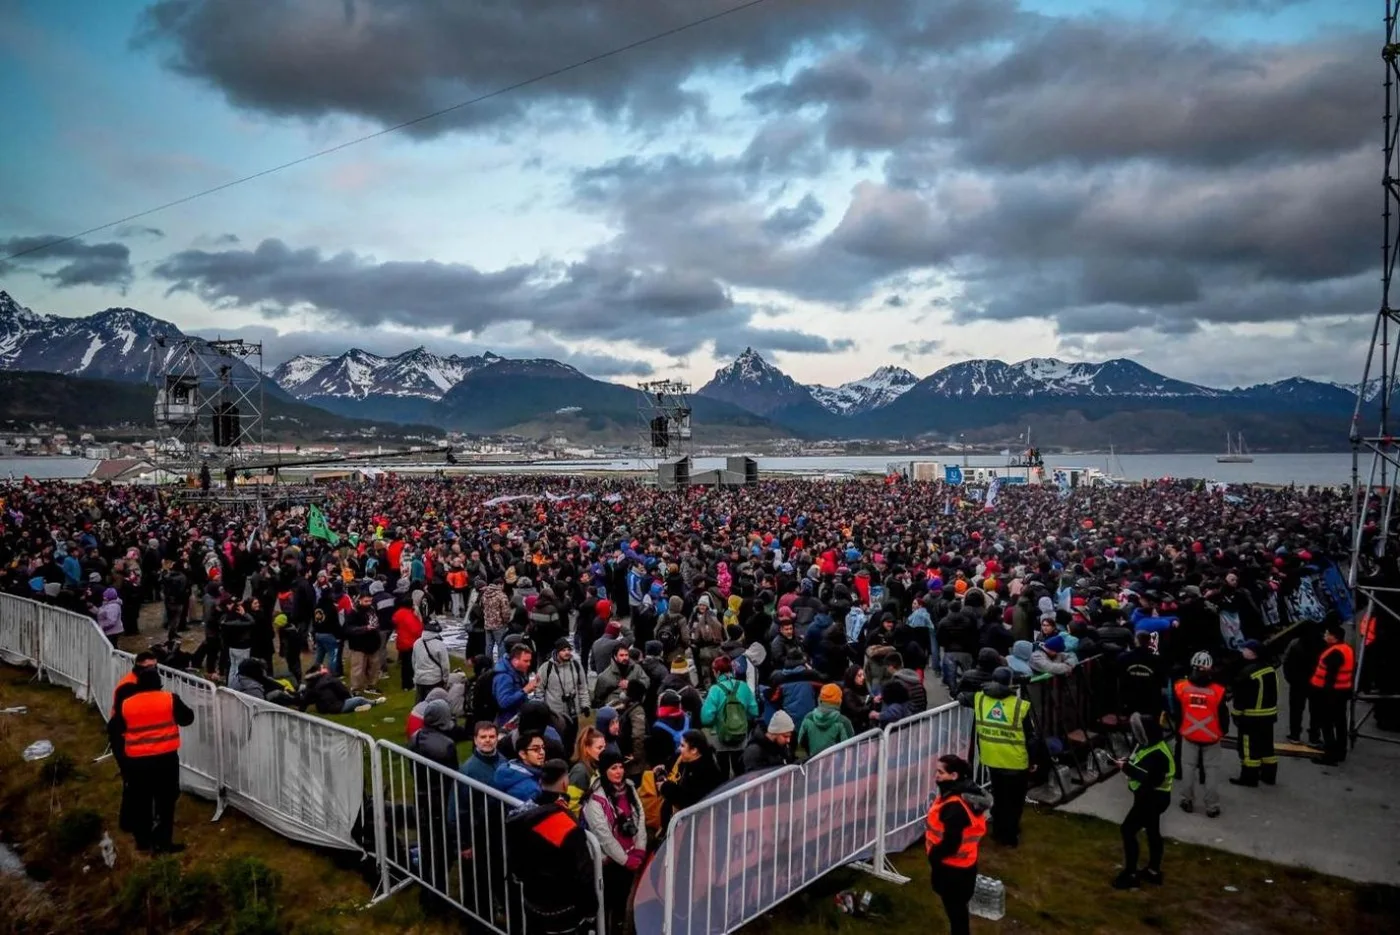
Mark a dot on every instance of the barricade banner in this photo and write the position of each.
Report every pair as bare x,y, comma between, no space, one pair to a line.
302,776
19,630
912,749
742,851
448,833
200,747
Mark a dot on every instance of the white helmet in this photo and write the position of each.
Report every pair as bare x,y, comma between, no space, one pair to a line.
1202,660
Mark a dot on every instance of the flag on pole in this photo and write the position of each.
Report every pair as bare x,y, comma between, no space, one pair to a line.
992,488
316,525
947,504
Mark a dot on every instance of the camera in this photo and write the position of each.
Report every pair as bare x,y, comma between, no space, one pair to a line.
626,826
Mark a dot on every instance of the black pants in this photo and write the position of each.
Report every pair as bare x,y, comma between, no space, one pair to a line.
1257,757
1008,802
1145,815
731,763
406,670
955,886
1330,708
1297,704
617,889
153,783
292,643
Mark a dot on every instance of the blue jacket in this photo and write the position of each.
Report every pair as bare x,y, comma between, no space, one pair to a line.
798,697
72,571
518,779
1142,620
636,586
508,686
481,769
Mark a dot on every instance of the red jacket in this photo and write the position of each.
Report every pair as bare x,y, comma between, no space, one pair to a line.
395,554
407,629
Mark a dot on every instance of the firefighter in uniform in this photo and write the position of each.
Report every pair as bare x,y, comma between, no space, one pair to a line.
1203,721
1001,725
125,686
954,828
1254,703
549,860
145,736
1331,686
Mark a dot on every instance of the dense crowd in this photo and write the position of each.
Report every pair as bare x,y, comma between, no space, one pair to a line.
627,650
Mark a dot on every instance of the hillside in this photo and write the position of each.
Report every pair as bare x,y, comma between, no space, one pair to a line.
93,405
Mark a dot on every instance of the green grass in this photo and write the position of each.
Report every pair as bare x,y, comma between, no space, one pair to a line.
1058,881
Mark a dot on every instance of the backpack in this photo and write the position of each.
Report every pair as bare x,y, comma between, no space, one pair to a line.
732,725
484,707
668,636
676,733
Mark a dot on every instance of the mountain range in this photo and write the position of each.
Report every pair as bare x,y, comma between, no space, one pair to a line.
1068,404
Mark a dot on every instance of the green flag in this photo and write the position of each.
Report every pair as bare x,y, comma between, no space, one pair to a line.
316,525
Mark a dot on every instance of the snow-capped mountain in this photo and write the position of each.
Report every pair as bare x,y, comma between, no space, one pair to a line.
881,388
1046,376
114,344
756,385
358,374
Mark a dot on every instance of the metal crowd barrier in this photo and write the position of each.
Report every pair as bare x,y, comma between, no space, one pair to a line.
435,826
19,631
911,753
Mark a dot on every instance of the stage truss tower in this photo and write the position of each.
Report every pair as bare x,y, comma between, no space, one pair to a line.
1375,465
209,406
664,417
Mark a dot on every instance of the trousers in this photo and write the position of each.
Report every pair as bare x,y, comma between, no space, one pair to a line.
153,783
1257,758
955,886
1330,708
1008,802
1145,815
1200,766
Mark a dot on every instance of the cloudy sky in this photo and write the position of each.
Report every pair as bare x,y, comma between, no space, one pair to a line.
838,183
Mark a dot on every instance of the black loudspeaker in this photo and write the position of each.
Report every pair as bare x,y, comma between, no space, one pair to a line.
227,432
747,467
660,432
672,475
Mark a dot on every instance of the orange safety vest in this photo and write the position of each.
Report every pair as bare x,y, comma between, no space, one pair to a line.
1367,628
1344,672
457,579
972,836
1200,711
150,724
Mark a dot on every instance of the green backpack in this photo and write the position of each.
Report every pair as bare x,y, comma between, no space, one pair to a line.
733,722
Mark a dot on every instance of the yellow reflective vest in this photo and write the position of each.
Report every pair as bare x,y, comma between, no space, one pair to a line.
1001,731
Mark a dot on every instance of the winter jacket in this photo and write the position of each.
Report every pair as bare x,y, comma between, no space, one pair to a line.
109,616
1041,662
599,814
565,687
496,607
762,753
481,769
362,631
606,686
796,689
431,664
408,627
918,695
519,779
508,687
326,692
824,727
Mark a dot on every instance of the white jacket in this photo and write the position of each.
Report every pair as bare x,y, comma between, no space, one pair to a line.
431,664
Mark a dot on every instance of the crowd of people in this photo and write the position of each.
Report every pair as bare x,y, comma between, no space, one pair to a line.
626,650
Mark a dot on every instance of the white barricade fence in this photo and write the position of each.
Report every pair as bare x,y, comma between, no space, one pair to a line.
19,630
301,776
65,647
448,833
912,750
735,855
104,672
200,747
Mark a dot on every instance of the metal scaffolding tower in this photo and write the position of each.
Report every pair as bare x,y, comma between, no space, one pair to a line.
209,406
664,420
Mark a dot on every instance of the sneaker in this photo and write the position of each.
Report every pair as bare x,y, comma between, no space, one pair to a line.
1187,806
380,700
1152,876
1127,880
1212,813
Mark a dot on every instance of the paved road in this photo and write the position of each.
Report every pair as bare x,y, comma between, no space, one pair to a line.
1339,820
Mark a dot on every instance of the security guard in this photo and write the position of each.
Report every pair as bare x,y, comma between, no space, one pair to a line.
1331,686
549,860
125,686
1001,723
145,736
1203,722
954,828
1254,703
1149,769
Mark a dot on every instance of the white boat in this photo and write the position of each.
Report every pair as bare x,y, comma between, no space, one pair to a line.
1235,452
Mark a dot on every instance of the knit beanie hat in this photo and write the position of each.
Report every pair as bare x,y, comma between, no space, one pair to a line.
831,694
781,723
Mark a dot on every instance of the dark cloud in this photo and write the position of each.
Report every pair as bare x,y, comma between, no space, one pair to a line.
911,349
796,220
599,297
70,263
137,231
388,62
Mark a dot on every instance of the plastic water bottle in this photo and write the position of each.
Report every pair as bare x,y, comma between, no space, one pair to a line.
988,899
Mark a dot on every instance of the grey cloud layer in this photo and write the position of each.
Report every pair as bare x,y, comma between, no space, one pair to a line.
72,263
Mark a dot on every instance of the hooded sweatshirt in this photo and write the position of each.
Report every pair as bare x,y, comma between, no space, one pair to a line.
1020,659
825,727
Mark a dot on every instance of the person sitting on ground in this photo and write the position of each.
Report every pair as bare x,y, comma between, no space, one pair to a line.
328,694
251,679
826,726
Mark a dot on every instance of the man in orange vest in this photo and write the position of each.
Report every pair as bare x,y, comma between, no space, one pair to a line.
1202,721
1331,686
145,736
125,686
954,827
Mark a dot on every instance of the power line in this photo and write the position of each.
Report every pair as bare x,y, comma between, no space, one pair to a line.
396,127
